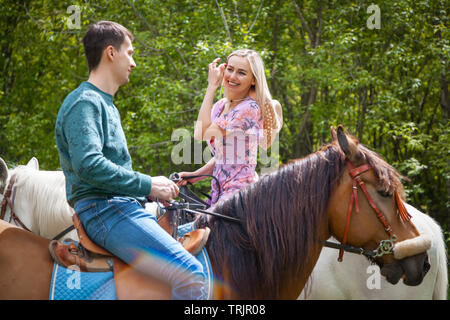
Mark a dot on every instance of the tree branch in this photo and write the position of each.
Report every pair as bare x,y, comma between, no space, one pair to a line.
224,19
304,23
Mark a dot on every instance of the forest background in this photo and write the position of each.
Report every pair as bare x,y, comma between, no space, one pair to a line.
380,68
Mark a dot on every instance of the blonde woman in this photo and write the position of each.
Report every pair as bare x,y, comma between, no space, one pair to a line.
235,125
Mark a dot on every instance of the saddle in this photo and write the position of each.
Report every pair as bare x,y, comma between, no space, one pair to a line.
130,283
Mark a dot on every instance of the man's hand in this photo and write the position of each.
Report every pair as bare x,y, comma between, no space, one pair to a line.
164,188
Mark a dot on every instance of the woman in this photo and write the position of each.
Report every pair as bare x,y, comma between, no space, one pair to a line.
235,125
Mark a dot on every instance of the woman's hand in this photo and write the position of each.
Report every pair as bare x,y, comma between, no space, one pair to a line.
215,74
184,182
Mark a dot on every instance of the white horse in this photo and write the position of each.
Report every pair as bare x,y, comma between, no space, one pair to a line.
356,279
40,203
39,199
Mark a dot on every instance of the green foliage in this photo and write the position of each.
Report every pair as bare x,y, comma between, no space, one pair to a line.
326,67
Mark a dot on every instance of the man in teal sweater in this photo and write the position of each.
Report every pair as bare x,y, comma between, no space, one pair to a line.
101,184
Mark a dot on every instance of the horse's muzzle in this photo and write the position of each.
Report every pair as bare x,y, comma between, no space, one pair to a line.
415,268
412,269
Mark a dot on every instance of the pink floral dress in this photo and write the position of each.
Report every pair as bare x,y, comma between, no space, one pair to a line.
236,152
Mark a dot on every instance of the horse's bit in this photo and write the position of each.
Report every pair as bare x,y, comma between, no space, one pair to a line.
8,200
385,246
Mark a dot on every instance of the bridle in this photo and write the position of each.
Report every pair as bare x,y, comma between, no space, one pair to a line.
192,206
385,246
8,200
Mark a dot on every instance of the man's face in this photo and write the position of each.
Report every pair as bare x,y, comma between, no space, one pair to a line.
123,62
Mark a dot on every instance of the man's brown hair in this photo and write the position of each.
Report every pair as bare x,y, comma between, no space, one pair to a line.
101,35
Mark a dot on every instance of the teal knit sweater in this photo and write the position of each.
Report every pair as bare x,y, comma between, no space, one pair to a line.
92,148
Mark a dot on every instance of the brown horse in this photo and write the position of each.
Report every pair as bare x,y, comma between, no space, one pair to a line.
272,252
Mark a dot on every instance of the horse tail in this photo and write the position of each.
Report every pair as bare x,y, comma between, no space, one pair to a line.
441,287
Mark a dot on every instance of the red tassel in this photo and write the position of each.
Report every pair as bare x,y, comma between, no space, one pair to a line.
404,215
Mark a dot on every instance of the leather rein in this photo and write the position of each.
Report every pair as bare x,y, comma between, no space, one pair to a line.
385,246
189,205
192,205
8,200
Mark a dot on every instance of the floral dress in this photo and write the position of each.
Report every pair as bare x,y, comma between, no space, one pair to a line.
236,152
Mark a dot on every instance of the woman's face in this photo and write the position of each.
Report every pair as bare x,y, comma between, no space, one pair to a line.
238,77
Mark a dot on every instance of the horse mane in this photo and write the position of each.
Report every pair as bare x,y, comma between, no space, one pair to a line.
281,215
388,177
45,192
281,218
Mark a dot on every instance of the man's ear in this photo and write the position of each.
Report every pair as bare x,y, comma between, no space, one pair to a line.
109,52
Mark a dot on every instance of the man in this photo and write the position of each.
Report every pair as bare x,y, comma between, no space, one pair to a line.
100,183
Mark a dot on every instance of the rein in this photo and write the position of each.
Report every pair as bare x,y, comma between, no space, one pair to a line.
175,205
8,200
190,203
176,178
191,199
385,246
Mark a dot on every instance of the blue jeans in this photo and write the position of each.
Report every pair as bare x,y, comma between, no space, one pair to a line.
124,228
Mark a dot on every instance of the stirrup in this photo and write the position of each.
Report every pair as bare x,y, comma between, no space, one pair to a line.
68,255
195,240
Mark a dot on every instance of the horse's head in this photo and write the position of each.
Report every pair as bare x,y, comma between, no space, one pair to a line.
366,211
3,174
4,171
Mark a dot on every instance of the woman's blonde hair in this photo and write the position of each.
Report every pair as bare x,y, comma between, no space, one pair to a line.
271,109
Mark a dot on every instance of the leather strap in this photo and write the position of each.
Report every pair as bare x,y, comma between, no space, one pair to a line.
356,180
402,211
354,172
6,197
380,216
353,199
8,200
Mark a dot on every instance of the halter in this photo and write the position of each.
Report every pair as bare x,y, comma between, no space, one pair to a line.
385,246
8,200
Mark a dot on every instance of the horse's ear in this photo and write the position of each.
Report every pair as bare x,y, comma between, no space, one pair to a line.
3,173
349,146
343,141
333,134
33,163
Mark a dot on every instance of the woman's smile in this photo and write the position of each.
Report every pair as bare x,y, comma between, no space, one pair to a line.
238,77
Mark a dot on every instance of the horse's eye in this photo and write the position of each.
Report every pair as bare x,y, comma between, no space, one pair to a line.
385,193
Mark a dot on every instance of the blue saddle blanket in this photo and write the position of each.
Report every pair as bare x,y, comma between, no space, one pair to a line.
73,284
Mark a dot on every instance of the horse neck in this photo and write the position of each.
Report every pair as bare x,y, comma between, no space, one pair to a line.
273,253
41,202
236,270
